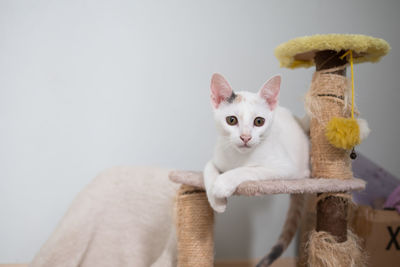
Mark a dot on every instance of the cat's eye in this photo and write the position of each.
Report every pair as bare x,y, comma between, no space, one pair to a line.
231,120
259,121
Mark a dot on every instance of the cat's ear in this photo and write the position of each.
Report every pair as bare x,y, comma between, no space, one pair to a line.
220,89
270,91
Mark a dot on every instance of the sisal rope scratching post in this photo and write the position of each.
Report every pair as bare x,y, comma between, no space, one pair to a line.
195,220
331,244
327,95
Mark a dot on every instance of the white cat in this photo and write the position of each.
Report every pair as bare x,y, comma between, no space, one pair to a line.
257,140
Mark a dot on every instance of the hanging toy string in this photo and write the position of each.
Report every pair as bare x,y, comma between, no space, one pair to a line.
345,132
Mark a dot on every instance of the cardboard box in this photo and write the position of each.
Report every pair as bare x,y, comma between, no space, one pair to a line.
380,231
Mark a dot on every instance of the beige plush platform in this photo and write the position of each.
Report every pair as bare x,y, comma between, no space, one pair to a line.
293,186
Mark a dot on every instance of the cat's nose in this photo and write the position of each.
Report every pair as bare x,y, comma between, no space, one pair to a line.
245,138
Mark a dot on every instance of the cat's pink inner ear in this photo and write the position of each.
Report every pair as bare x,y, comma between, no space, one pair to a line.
220,89
270,91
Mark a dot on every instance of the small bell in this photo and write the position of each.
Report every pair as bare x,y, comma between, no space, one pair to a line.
353,154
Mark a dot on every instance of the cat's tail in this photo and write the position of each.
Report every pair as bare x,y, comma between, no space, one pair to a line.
293,217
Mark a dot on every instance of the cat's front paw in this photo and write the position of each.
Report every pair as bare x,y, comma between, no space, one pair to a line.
218,204
223,187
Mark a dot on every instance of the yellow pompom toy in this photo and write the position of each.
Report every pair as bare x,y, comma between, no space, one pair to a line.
343,132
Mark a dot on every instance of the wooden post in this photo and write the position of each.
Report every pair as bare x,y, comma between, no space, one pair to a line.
195,223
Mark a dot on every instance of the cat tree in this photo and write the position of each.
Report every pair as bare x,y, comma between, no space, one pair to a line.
331,244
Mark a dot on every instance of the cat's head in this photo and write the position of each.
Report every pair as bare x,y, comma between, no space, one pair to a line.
243,118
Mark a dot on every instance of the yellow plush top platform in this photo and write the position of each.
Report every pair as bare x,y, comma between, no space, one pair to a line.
300,52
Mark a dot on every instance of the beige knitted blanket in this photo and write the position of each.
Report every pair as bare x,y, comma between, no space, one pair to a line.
124,217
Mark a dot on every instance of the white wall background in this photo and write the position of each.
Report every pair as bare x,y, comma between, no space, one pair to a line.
85,85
